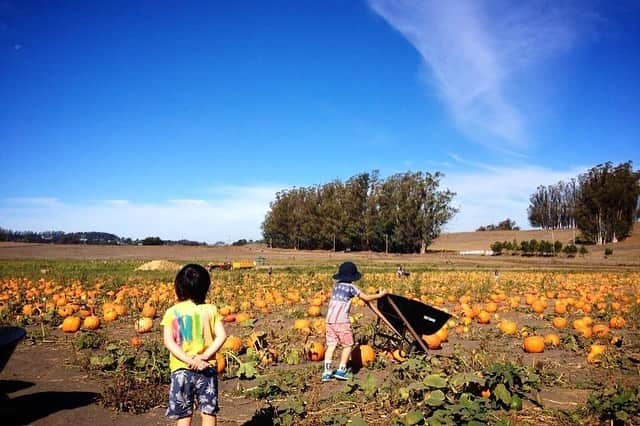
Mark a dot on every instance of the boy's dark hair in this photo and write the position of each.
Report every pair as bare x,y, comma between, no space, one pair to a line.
192,282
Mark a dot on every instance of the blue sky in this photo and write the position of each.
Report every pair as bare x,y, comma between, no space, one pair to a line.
182,119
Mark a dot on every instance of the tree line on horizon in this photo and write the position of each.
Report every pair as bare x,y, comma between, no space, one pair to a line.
602,203
91,238
402,214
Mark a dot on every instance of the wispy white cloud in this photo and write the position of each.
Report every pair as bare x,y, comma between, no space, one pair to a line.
489,194
237,214
473,48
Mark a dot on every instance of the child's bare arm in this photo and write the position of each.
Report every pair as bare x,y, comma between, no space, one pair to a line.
371,297
221,336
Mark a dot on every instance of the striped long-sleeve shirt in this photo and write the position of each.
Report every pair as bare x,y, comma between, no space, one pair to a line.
340,302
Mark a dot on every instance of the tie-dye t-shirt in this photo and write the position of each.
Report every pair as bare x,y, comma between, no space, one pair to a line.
193,328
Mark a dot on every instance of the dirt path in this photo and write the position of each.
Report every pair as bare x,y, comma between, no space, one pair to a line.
41,386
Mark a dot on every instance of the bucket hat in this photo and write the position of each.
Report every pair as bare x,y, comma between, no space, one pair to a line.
347,272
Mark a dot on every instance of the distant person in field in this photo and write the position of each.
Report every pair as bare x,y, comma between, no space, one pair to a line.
193,333
400,271
337,321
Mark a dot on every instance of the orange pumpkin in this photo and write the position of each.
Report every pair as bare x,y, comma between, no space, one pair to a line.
148,311
242,317
232,343
363,356
111,315
136,341
508,327
484,317
314,351
91,322
443,334
533,344
600,330
221,362
552,339
538,306
314,311
300,324
617,322
143,325
559,322
71,324
595,353
432,341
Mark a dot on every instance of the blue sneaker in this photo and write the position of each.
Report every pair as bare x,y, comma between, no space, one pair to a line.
341,374
326,376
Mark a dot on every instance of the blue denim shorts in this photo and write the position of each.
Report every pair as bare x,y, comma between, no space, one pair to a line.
193,387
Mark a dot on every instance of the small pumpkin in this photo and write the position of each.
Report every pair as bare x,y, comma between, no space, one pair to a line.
432,341
484,317
552,339
508,327
91,322
143,325
595,353
617,322
221,362
314,311
559,322
148,311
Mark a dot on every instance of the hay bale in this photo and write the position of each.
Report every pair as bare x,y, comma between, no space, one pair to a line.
159,265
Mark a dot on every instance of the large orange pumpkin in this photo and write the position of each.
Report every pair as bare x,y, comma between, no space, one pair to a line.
533,344
71,324
363,355
111,315
314,351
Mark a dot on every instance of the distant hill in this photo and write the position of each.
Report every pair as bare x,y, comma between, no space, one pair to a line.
482,240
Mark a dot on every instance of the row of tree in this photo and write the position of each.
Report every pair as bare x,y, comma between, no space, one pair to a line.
534,247
602,203
402,213
505,225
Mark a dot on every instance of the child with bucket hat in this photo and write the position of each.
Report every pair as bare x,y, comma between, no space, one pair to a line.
337,320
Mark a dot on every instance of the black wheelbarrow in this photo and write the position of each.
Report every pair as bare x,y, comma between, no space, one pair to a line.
9,338
402,322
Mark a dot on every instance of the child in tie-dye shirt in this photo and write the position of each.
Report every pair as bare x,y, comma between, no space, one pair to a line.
193,333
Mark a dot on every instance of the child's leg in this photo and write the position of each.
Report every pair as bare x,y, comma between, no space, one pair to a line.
328,357
208,420
344,356
185,421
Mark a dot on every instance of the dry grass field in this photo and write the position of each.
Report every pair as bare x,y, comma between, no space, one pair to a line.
443,253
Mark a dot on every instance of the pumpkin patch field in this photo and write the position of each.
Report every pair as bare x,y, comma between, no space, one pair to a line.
523,347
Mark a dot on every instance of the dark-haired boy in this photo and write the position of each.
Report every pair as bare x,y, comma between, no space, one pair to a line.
193,333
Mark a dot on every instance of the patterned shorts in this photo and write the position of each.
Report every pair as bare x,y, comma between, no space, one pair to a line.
189,387
339,333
